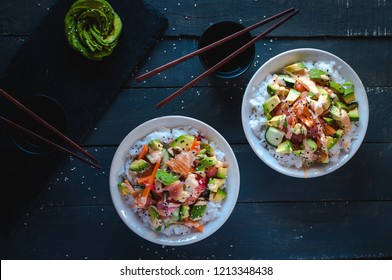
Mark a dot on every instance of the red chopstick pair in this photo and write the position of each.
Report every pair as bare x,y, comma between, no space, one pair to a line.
291,12
91,160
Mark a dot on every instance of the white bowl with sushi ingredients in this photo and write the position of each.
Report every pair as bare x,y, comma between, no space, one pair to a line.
174,180
305,113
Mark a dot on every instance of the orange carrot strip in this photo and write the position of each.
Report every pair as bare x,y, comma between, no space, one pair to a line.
143,152
329,130
154,172
199,227
143,180
195,144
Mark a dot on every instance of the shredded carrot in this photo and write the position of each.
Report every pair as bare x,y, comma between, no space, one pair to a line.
154,172
199,227
143,180
143,152
195,145
329,130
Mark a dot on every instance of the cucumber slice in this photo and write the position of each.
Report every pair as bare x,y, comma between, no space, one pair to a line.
274,136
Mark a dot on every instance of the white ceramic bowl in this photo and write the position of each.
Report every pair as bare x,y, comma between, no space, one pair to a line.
133,221
275,65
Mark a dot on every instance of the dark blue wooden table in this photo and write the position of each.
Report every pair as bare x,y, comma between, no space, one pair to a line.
344,215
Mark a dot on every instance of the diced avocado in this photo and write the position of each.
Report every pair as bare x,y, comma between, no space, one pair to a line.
209,150
329,121
155,219
165,157
184,212
288,80
220,195
311,144
165,178
278,121
183,141
215,183
322,90
271,103
341,105
292,68
206,162
354,114
312,95
299,129
285,147
198,210
293,95
348,94
331,141
272,88
352,105
317,74
139,165
156,145
339,133
176,214
299,153
222,172
335,113
324,98
123,189
349,97
336,87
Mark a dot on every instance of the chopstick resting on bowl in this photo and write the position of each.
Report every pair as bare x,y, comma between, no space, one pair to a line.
90,158
168,65
291,12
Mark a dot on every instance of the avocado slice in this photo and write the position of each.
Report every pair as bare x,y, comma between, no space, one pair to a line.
155,219
222,173
293,95
184,212
139,165
317,74
272,88
312,145
285,147
183,141
339,133
165,178
354,114
331,141
206,162
292,68
270,104
198,210
220,195
156,145
215,183
209,150
123,189
349,97
336,87
277,121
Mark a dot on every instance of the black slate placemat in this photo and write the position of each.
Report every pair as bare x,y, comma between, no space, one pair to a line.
46,65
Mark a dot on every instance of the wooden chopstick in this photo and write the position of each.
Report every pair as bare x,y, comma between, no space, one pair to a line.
209,47
46,141
224,61
46,124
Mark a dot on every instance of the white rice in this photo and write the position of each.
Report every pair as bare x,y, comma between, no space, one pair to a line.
258,119
166,135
